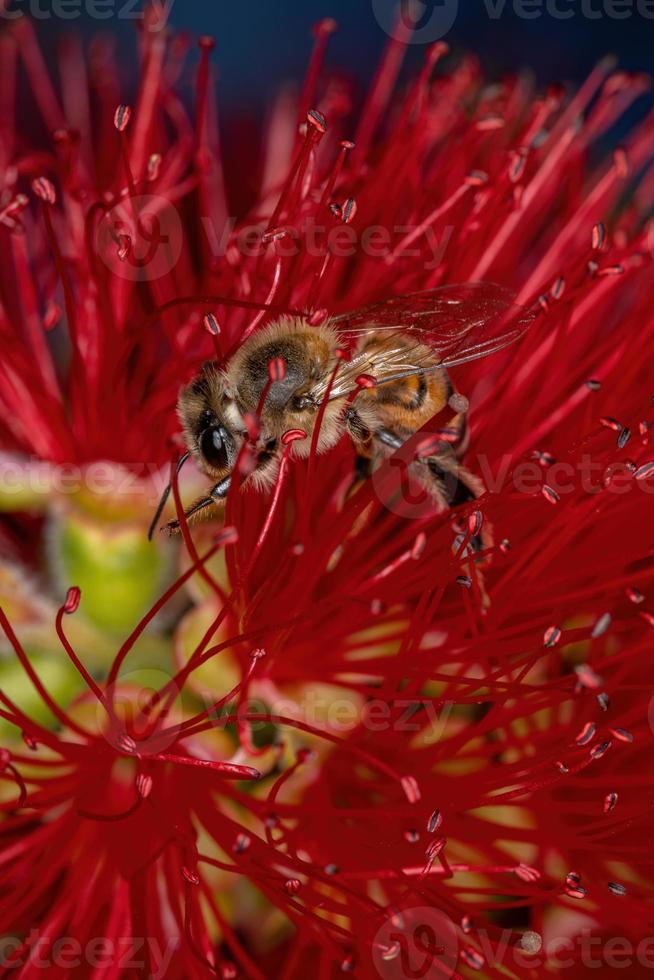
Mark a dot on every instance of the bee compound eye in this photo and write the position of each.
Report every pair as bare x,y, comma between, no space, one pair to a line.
214,447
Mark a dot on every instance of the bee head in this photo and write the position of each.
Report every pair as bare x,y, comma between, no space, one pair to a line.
212,424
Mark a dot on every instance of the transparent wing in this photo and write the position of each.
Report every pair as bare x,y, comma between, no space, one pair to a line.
455,323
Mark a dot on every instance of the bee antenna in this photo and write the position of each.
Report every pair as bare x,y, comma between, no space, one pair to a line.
164,498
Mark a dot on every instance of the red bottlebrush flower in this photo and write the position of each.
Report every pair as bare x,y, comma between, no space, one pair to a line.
451,745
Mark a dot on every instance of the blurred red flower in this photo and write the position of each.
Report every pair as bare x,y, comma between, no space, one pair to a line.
454,771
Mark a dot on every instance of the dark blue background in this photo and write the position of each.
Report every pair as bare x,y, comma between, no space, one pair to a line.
260,42
263,42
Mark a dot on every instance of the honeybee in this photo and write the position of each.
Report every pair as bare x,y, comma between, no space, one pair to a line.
378,374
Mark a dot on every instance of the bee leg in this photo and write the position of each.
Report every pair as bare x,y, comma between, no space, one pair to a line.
357,428
362,438
266,468
217,493
362,468
389,438
461,487
448,481
434,483
455,484
164,498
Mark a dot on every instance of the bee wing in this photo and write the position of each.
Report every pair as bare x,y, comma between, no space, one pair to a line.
457,323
